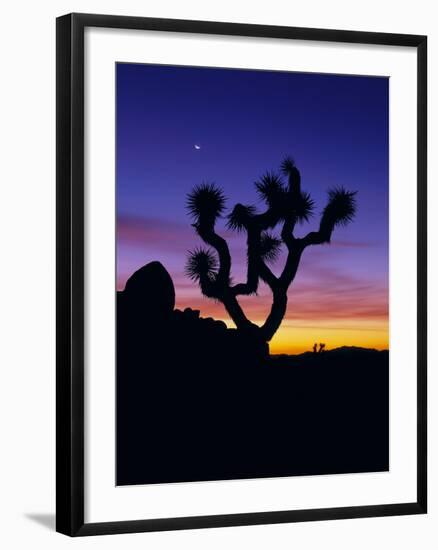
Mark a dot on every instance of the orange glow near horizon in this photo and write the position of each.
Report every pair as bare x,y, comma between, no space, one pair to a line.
354,323
294,337
343,313
350,313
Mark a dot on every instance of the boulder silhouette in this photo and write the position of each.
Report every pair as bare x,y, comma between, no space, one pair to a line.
150,291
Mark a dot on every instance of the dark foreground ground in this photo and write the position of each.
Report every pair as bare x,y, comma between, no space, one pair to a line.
197,401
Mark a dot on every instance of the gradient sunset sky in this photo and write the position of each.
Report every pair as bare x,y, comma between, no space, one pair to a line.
246,122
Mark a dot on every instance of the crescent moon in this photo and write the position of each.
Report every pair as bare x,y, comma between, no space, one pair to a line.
197,147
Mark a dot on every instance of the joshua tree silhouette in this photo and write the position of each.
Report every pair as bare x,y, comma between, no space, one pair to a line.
321,348
286,206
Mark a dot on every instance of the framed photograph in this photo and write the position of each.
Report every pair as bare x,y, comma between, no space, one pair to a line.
241,274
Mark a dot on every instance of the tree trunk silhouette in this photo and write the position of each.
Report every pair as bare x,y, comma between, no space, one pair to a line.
276,315
236,312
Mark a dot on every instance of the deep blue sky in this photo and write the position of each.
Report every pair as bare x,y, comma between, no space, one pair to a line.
335,127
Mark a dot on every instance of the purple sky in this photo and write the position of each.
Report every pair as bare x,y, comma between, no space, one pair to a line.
336,129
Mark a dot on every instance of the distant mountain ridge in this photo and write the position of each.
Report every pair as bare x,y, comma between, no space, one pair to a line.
344,356
341,349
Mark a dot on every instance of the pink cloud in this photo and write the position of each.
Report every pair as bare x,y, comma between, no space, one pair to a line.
150,232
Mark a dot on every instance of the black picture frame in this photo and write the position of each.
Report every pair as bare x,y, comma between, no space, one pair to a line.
70,273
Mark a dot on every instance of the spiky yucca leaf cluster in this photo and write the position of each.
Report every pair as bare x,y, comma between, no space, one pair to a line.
303,206
206,202
286,201
240,216
270,188
288,165
340,210
289,169
201,262
269,247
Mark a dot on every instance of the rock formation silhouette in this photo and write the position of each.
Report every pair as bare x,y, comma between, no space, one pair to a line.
150,290
147,306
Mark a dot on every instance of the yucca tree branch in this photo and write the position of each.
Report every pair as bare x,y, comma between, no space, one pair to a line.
205,205
252,277
245,218
267,276
313,237
339,211
209,236
287,232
